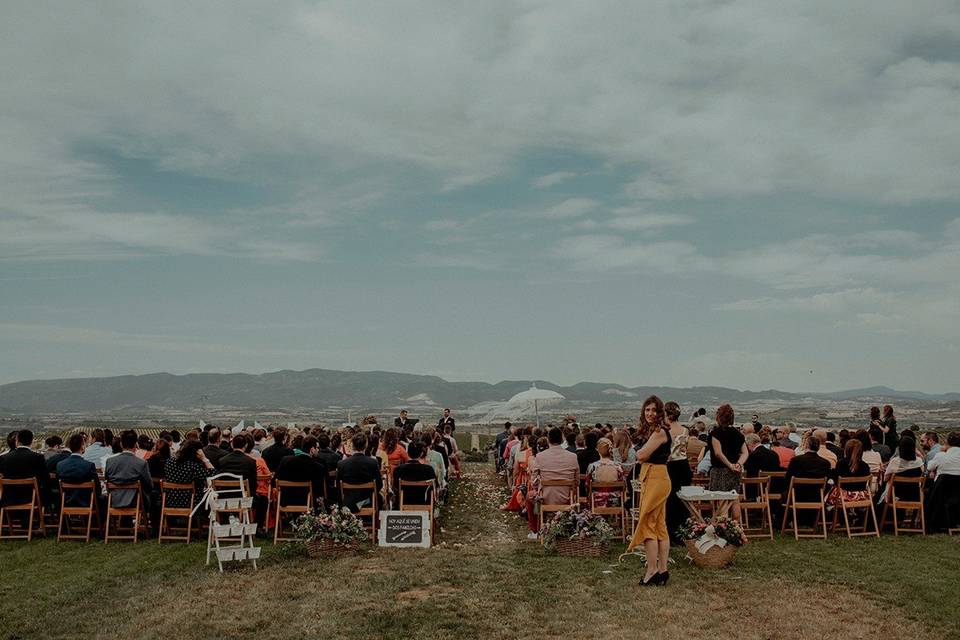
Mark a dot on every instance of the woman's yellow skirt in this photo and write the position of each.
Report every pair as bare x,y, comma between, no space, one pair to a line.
652,517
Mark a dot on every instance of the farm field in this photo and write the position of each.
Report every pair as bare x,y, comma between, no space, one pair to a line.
481,581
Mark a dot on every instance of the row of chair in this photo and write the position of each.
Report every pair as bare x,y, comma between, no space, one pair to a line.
77,522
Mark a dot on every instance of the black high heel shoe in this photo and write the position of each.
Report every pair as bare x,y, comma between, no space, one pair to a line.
652,581
664,577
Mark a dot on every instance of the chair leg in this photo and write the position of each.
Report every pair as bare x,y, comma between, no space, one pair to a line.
30,526
896,525
823,514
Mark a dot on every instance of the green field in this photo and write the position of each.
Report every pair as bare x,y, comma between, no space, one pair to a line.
481,581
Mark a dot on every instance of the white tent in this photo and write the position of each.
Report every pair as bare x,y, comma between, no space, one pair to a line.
523,402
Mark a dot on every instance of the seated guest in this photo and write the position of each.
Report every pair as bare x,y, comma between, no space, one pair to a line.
278,450
359,468
869,456
556,463
75,470
396,453
189,466
416,469
877,444
126,468
587,456
759,459
906,462
852,465
157,461
831,444
99,448
213,450
330,459
947,461
605,470
807,465
22,463
824,451
55,452
238,463
435,458
930,443
303,467
784,439
263,471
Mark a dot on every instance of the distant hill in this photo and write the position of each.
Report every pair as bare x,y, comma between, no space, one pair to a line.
323,388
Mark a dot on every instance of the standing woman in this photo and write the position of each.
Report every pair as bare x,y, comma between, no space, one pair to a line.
651,528
678,468
889,427
728,452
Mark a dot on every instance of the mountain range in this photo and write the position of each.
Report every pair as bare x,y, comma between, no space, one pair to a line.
370,390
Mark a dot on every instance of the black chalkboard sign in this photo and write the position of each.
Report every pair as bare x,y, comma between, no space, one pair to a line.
404,529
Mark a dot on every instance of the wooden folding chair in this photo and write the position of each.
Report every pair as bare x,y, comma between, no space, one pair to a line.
136,512
429,489
51,517
293,510
88,513
329,487
573,499
32,508
793,506
166,530
912,488
753,497
618,489
363,512
843,504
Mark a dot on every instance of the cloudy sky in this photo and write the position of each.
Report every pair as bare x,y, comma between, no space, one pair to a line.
747,194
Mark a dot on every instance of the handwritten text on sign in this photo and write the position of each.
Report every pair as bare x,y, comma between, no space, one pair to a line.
404,529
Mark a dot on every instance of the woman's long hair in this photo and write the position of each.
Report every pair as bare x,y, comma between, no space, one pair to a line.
623,444
188,451
853,452
647,429
391,439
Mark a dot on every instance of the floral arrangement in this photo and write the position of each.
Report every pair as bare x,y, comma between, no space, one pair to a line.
713,529
339,526
576,524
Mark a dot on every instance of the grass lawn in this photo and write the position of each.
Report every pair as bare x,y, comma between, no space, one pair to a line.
481,581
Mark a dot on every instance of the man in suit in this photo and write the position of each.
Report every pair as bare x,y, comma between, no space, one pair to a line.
403,421
22,463
445,421
760,459
359,469
125,468
303,467
807,465
416,469
556,463
213,450
75,470
330,460
279,450
240,464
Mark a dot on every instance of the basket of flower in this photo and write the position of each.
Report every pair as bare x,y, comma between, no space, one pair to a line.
713,542
577,532
337,533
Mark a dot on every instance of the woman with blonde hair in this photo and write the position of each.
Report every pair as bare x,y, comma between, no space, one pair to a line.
623,452
651,529
678,468
604,470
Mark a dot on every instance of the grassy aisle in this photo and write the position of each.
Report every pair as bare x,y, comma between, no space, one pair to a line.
481,581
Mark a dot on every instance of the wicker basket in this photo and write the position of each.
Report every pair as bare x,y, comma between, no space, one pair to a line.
327,548
582,547
714,558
